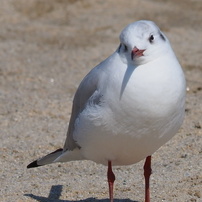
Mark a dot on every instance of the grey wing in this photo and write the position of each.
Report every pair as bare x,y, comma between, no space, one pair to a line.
87,87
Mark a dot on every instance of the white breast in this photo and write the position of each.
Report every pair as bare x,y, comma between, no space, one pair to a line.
141,109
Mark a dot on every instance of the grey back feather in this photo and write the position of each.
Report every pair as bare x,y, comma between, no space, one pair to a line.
85,90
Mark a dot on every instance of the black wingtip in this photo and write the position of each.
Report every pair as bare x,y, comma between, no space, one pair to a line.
33,165
56,151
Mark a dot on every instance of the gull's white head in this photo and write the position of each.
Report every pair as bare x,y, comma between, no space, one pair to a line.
142,41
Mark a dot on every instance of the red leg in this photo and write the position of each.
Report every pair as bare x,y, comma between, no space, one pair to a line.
111,179
147,173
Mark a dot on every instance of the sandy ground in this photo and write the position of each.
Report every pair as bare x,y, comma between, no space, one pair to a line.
46,48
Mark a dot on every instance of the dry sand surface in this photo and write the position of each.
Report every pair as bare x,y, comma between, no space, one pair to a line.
46,48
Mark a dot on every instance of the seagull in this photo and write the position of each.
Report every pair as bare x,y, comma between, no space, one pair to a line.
126,107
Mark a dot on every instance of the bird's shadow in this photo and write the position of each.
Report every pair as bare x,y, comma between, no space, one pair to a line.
55,193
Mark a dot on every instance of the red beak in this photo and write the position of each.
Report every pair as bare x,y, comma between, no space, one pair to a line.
136,53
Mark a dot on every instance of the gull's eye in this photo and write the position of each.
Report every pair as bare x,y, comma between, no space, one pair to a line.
122,47
151,39
125,48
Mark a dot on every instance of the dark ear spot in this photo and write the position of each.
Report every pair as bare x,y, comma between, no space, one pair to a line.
162,37
119,48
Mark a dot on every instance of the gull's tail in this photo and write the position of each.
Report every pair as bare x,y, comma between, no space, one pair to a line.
57,156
